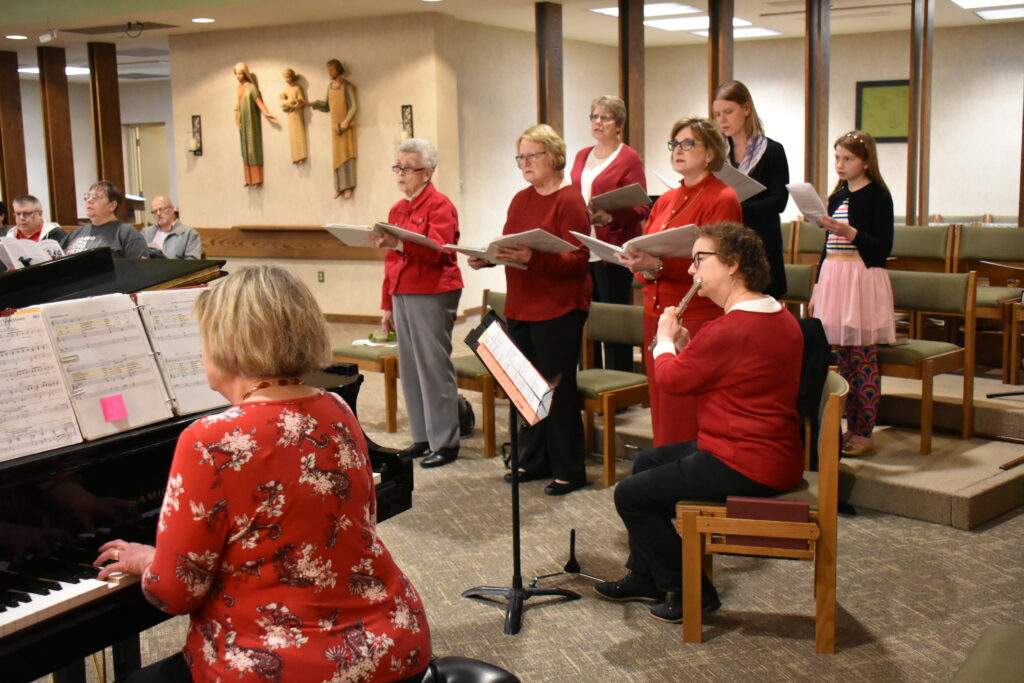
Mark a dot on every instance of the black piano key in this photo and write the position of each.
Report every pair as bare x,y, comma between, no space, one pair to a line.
29,584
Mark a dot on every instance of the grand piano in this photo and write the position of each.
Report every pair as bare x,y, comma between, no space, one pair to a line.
59,506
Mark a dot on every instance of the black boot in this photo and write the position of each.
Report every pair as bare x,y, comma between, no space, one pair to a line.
442,456
671,610
417,449
630,588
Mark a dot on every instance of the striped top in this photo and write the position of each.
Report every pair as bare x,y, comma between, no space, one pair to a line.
837,244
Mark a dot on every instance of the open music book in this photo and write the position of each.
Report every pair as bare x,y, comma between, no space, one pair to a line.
621,198
745,186
670,243
537,239
87,368
523,384
361,235
16,253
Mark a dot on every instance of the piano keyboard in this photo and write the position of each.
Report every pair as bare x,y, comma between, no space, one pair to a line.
62,598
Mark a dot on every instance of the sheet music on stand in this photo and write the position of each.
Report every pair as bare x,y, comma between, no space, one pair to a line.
523,384
174,334
35,409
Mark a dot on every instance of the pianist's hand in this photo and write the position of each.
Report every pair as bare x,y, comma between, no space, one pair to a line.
125,557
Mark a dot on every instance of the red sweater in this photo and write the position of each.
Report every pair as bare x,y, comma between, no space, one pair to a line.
709,201
627,168
552,284
267,538
744,370
416,269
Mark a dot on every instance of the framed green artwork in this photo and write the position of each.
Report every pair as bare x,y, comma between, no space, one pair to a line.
883,109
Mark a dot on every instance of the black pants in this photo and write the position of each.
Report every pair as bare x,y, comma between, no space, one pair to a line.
554,445
613,285
646,502
174,670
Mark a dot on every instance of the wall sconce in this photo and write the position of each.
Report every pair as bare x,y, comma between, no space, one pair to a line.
195,145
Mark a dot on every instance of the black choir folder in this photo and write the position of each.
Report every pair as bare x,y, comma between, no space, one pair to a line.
87,368
771,509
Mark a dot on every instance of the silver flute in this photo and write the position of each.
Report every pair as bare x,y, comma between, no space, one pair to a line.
683,303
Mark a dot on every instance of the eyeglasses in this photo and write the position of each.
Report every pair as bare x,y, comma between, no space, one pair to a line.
686,144
523,159
161,209
603,118
698,257
405,170
27,214
95,197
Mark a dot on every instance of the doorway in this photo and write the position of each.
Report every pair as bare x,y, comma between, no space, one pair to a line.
147,169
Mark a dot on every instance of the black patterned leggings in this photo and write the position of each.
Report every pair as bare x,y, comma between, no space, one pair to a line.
859,366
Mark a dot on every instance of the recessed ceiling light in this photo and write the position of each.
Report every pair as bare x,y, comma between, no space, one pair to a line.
975,4
748,32
431,0
657,9
203,20
16,36
1008,13
688,23
68,70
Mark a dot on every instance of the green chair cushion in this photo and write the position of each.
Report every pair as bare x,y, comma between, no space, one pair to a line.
594,382
809,238
616,323
799,282
805,492
997,658
914,351
991,244
989,297
933,292
366,352
468,366
920,241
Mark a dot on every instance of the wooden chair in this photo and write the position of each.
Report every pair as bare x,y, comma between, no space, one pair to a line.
949,294
799,286
605,391
1011,342
377,359
471,375
997,256
807,243
788,232
703,529
925,248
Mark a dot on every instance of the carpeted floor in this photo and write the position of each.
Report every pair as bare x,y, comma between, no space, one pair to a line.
913,597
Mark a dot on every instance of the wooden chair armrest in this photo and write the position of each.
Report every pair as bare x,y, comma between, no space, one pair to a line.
807,531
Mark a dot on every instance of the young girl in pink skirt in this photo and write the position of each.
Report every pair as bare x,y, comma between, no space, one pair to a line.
853,297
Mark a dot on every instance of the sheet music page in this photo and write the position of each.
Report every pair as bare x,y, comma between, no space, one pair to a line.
745,186
107,364
671,242
532,389
602,250
408,236
174,334
35,409
537,239
352,235
621,198
13,250
807,200
486,254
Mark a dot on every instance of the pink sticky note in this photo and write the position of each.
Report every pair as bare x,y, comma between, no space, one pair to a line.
114,408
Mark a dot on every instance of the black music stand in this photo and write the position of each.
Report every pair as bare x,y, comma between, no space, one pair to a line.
515,595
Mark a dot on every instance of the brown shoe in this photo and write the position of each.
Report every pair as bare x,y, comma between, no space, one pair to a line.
858,447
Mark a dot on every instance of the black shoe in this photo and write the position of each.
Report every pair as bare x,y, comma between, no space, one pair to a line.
671,610
630,588
417,449
557,488
525,476
442,456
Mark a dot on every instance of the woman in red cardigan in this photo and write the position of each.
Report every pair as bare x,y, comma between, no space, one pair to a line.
697,149
267,536
546,306
608,165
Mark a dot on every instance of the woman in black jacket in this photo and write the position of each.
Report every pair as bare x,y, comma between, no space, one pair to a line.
764,160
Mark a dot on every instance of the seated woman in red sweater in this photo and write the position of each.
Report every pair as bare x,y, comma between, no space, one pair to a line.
546,306
267,535
743,370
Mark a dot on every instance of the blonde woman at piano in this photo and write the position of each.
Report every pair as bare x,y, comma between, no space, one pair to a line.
274,592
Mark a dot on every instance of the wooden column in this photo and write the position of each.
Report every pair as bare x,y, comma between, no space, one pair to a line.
816,63
720,45
550,109
1020,195
13,168
922,33
631,70
60,160
106,118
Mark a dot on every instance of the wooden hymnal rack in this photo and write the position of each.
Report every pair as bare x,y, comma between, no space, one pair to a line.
767,509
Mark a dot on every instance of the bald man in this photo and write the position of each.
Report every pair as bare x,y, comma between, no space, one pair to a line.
168,235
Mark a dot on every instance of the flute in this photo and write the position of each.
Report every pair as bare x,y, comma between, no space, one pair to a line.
683,303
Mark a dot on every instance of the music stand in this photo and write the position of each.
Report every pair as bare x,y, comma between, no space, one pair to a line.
515,595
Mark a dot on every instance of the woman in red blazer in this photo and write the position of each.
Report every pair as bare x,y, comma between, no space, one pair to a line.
606,166
697,149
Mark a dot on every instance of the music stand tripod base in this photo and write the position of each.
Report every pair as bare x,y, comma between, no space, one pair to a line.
571,568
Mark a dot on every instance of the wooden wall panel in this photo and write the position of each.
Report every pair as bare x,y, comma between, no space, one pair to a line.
281,242
550,107
13,168
816,65
60,158
631,71
922,36
720,45
106,118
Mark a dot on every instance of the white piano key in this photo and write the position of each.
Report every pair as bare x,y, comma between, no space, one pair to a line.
56,602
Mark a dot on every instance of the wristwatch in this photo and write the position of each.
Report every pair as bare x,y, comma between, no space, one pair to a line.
652,275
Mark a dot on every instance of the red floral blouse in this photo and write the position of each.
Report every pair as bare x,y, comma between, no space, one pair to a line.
267,538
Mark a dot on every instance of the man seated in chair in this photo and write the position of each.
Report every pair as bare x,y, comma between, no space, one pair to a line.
167,236
744,370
